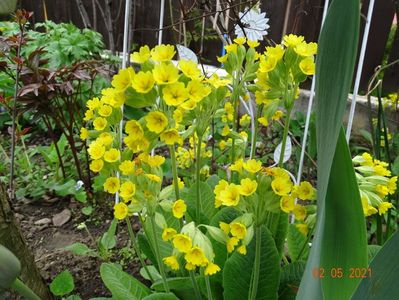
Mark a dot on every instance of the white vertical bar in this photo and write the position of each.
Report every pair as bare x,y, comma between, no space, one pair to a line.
161,17
124,62
359,69
310,104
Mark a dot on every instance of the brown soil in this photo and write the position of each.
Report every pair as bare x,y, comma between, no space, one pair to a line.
47,243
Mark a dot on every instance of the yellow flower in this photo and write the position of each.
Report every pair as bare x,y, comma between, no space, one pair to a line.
141,56
165,73
277,115
89,114
155,161
99,123
263,121
105,110
231,243
105,138
232,48
381,170
217,82
179,208
112,155
238,230
248,187
267,64
120,211
305,191
287,204
180,183
154,178
114,97
303,228
128,189
225,130
175,94
304,49
222,145
96,150
307,66
252,44
111,185
189,68
381,190
171,261
242,250
392,184
240,40
230,196
178,116
171,137
168,233
156,121
84,133
127,167
221,186
163,53
189,104
238,165
93,103
96,165
383,207
182,242
252,166
123,79
222,59
276,52
281,186
211,269
196,256
133,128
245,120
190,267
292,40
299,212
225,227
143,82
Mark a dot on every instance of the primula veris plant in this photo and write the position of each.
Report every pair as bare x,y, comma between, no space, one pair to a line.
197,223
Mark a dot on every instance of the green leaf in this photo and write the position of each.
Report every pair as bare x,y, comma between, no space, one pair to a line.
161,296
340,237
145,247
165,248
383,282
62,284
176,283
138,100
237,271
108,240
74,297
208,209
87,210
79,249
372,251
122,285
297,243
290,278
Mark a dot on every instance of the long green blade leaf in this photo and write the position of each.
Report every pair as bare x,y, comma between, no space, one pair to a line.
381,281
334,70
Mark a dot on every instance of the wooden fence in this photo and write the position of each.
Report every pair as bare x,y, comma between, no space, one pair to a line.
301,17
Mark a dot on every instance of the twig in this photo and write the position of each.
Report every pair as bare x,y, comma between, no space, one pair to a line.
83,14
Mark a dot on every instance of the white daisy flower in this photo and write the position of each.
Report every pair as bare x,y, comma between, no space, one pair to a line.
255,24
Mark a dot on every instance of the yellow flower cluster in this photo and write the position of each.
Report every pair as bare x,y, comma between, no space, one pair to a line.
375,184
238,236
193,246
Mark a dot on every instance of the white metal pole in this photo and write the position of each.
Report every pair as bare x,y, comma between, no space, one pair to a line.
310,104
124,62
359,69
161,17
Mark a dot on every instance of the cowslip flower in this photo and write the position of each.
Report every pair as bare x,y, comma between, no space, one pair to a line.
182,242
231,243
175,94
112,155
211,269
179,208
230,196
189,68
105,110
171,261
156,121
196,256
133,128
307,66
248,187
96,150
292,40
127,167
123,79
127,189
155,161
105,138
120,211
305,191
143,82
84,134
96,165
168,233
238,230
163,53
171,137
99,123
141,56
287,204
111,185
165,73
299,212
281,186
252,166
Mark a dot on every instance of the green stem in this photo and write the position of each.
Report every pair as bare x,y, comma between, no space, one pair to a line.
208,288
24,290
379,230
195,285
256,270
253,138
174,171
136,247
158,255
197,179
